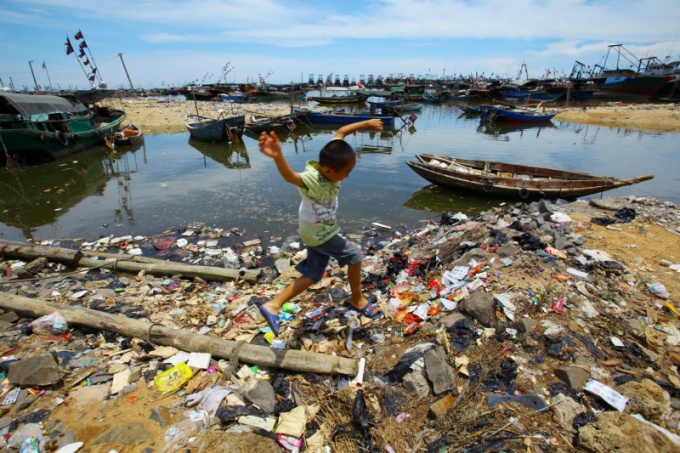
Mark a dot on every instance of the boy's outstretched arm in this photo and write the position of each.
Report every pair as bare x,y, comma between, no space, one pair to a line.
371,125
271,146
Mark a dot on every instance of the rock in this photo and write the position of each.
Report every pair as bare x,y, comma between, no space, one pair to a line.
544,206
438,371
620,432
480,307
440,407
416,383
507,250
610,204
648,399
22,433
39,370
82,397
565,412
261,394
450,319
573,376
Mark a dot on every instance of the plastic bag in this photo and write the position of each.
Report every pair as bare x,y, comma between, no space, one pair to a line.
174,378
52,324
659,290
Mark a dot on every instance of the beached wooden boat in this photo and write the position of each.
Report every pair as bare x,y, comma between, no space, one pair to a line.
215,129
266,123
331,117
516,115
36,128
513,180
128,136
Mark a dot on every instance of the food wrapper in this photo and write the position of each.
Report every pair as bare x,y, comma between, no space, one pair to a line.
174,378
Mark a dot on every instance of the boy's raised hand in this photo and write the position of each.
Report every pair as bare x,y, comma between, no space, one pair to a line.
375,124
270,145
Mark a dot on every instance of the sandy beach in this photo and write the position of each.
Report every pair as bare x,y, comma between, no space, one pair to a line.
163,117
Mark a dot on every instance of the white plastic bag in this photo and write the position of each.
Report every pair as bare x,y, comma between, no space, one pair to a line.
52,324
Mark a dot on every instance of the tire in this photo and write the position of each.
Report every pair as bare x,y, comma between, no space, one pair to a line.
61,138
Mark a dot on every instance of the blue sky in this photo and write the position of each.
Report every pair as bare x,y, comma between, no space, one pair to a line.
174,42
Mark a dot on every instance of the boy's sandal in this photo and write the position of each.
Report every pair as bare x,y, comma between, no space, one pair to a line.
273,320
370,310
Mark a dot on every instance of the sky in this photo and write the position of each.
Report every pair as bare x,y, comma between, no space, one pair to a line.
166,43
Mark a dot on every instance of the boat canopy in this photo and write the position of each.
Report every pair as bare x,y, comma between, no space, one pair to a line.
30,104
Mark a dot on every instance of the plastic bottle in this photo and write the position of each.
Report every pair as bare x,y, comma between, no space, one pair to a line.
188,427
577,273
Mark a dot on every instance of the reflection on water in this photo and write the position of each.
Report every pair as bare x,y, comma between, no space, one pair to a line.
502,130
231,155
176,180
436,199
35,196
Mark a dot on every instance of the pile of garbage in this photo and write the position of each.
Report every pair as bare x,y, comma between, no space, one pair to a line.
504,331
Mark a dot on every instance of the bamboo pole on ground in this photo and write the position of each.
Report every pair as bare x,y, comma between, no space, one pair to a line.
156,267
293,360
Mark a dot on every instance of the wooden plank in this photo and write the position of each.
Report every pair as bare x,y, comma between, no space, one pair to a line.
288,359
121,263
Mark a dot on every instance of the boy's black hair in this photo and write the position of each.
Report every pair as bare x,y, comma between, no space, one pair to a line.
336,154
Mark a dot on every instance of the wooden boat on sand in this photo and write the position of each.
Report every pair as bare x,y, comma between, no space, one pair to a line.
513,180
215,129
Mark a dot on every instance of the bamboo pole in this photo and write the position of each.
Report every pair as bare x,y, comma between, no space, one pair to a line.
287,359
157,267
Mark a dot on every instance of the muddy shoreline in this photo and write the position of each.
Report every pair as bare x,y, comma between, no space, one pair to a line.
167,117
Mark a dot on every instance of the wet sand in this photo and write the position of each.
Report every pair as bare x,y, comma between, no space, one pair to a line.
167,117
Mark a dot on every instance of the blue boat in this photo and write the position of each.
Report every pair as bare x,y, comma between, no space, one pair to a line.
331,117
381,104
215,129
238,98
492,113
523,95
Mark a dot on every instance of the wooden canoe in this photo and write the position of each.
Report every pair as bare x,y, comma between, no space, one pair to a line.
513,180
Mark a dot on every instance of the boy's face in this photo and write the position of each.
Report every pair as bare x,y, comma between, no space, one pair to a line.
339,175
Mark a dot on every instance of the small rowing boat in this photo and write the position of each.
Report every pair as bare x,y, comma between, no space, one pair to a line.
513,180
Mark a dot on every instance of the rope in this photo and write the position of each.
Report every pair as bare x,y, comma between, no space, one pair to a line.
233,361
148,331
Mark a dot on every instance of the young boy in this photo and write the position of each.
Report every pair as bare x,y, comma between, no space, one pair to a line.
319,185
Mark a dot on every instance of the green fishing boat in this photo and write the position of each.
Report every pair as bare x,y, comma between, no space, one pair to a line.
36,128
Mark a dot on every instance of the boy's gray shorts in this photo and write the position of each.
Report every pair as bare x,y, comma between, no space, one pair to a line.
317,257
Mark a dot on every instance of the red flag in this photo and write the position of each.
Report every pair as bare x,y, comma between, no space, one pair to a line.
44,65
69,47
79,35
82,53
86,62
82,45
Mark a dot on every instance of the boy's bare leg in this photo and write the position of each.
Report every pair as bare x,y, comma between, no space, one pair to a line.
289,292
354,277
